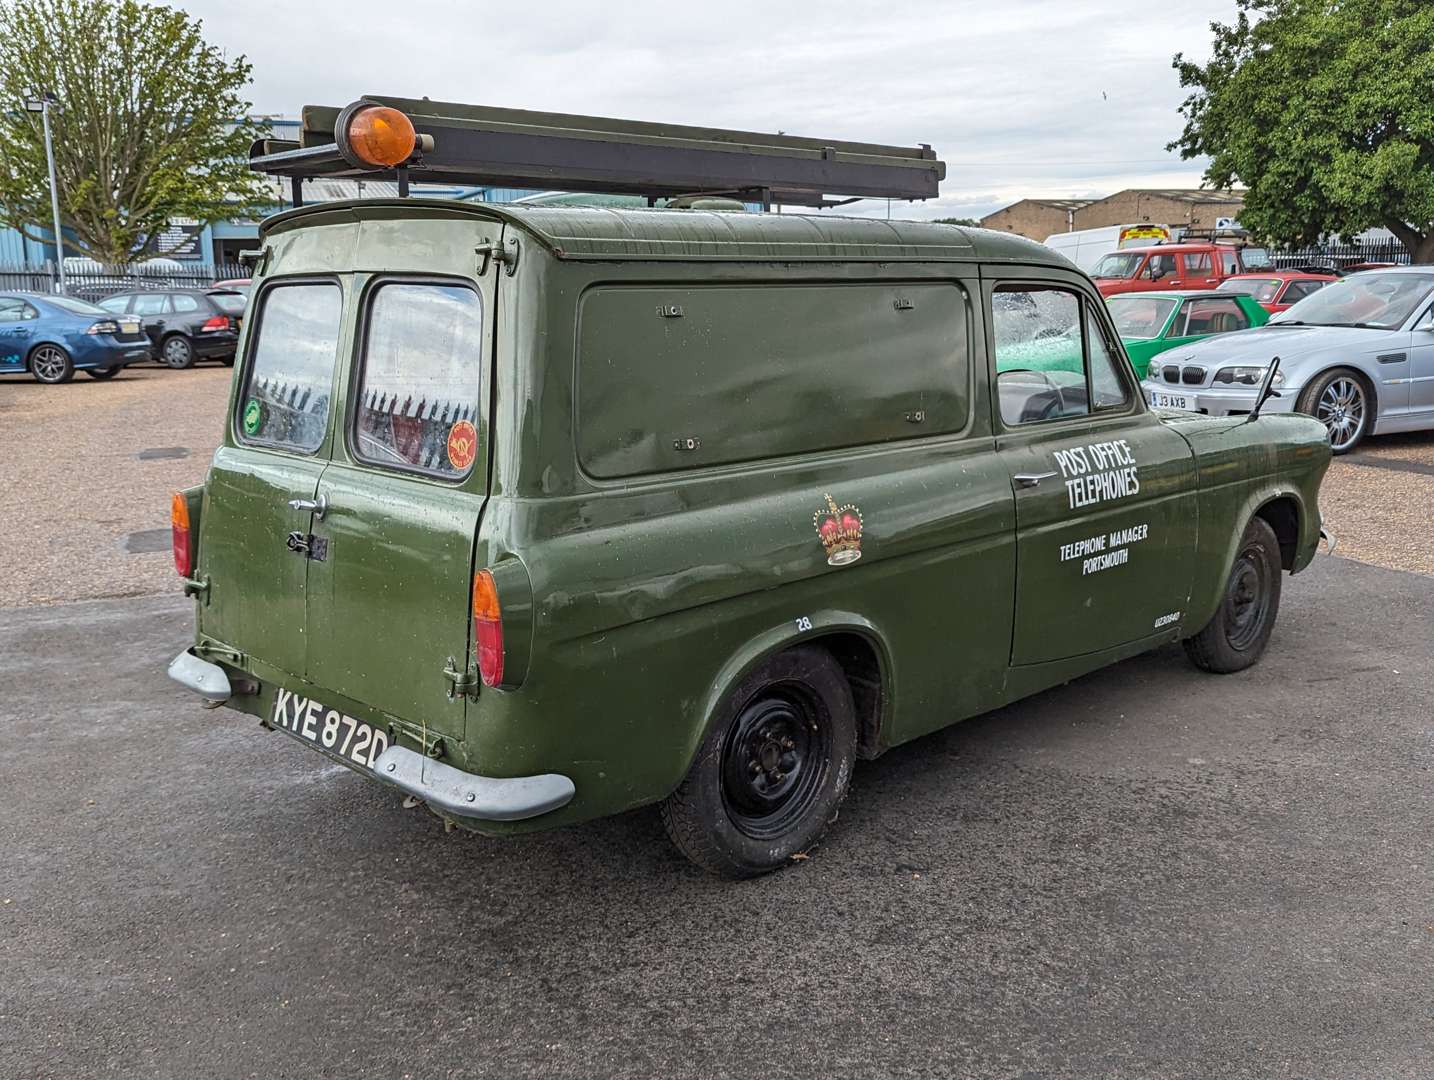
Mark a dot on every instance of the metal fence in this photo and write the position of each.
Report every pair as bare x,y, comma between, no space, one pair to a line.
1341,256
97,282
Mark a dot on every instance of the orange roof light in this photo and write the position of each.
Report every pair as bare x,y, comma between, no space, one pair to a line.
380,136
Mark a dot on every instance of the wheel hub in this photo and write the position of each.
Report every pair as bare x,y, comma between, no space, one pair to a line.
772,763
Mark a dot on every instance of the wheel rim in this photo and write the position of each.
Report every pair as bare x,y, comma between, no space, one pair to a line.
48,363
1247,599
1341,410
772,762
176,352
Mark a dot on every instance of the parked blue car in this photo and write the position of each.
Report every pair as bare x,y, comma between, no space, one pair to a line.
52,337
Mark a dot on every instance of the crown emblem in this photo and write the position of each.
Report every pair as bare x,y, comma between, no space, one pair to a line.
839,528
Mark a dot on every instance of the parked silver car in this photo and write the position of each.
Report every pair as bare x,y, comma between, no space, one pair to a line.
1358,354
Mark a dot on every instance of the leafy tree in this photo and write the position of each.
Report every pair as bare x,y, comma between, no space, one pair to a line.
967,221
1324,110
149,122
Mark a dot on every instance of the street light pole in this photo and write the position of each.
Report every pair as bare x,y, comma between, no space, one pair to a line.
41,105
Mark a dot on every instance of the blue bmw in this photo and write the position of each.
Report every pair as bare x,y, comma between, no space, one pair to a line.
52,337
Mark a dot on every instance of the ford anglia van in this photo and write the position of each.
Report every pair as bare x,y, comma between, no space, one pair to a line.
540,514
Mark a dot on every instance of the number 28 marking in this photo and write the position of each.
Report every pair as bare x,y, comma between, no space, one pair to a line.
804,623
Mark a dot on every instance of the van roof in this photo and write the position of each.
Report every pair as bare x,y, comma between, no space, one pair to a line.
670,235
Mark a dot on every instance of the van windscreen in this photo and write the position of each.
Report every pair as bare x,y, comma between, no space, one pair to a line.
290,380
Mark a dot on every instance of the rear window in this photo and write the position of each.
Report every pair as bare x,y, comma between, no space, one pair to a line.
688,377
229,303
1262,289
290,381
418,393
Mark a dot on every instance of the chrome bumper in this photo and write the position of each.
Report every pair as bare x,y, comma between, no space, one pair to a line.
458,794
204,678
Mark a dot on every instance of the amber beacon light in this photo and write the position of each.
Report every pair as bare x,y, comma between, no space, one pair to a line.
379,136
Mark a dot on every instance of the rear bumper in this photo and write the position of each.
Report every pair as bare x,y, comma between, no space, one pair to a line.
224,343
457,794
451,792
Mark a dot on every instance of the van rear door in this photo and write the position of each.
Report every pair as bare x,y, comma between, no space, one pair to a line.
253,533
388,609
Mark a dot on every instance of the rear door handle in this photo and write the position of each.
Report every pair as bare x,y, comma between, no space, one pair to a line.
1029,479
318,507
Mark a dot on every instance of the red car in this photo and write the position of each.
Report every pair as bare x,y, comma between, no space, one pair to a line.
1278,289
1167,266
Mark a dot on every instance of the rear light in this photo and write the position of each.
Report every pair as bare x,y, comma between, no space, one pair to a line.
106,326
179,531
487,628
219,322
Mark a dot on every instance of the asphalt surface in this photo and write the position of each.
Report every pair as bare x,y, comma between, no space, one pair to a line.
1150,872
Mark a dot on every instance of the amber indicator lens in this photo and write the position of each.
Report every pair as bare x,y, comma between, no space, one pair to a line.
487,628
381,136
179,531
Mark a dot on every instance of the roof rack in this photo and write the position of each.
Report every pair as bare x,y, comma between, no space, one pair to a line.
482,146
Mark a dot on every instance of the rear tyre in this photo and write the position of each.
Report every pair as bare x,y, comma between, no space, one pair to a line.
51,364
773,771
227,361
1236,637
176,352
1340,399
102,372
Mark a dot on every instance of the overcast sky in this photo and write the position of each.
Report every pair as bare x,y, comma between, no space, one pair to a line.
1018,97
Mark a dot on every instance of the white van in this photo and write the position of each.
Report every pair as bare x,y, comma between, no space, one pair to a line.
1084,247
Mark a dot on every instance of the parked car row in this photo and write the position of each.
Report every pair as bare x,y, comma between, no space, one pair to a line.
51,337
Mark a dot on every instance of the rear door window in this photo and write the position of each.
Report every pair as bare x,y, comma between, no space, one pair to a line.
418,389
150,304
183,302
291,372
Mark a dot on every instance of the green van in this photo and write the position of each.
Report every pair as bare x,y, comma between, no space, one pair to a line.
539,514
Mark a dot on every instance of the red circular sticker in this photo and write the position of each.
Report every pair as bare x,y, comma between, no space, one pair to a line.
462,445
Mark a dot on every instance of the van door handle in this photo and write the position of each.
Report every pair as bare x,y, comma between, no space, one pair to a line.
319,506
1030,479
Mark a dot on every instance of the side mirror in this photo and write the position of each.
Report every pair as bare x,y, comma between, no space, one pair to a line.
1267,388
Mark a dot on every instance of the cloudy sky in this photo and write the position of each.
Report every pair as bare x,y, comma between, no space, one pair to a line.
1019,97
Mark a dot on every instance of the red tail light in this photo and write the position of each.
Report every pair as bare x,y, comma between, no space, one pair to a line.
179,530
487,628
219,322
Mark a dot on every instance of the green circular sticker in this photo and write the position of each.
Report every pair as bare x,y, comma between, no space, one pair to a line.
253,415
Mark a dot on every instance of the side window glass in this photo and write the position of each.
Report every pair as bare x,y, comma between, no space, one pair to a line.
1198,265
1214,317
182,302
418,395
1106,388
11,310
1040,361
116,304
1229,263
29,312
1160,266
290,380
151,304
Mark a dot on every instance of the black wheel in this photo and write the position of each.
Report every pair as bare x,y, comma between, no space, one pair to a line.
1236,637
176,352
1340,399
227,361
102,372
51,364
771,774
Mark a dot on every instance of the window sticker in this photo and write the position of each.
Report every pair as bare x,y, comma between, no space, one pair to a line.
839,528
253,416
462,445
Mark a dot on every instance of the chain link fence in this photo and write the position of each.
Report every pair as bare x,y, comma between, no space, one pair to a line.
91,281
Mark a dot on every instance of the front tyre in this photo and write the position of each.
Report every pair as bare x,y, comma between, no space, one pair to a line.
1237,635
1341,401
772,772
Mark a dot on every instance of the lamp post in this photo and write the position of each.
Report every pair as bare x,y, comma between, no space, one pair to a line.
42,105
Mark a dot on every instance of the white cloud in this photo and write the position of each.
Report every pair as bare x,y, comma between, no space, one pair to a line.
1019,97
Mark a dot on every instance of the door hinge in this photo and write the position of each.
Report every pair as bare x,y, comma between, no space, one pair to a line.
462,683
505,253
308,545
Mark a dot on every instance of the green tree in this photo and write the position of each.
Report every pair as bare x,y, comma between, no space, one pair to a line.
967,221
1324,110
150,122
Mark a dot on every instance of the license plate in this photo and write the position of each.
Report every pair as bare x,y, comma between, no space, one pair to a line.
328,730
129,328
1162,400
